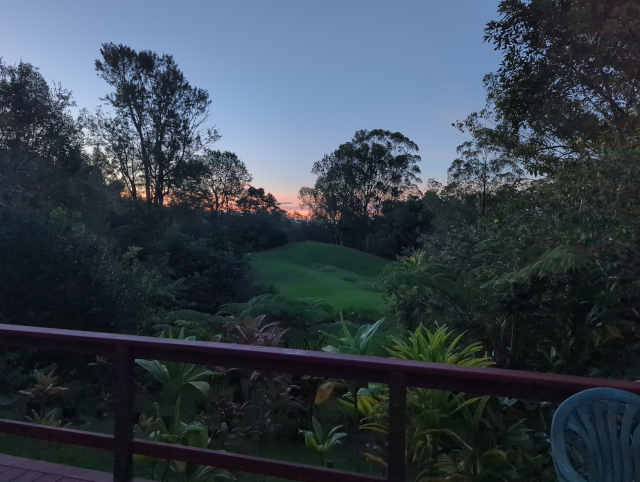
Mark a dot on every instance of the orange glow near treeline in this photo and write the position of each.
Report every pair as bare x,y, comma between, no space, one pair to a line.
291,209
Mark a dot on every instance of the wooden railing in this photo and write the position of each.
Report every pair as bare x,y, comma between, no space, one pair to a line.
398,374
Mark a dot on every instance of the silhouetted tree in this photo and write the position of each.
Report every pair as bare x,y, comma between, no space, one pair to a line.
256,200
225,178
166,112
568,80
35,120
479,173
117,150
359,178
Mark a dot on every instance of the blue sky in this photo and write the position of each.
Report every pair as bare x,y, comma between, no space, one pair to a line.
289,80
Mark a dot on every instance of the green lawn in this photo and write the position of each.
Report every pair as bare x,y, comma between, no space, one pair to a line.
341,276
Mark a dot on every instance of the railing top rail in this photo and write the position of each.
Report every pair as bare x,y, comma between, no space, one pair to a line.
482,381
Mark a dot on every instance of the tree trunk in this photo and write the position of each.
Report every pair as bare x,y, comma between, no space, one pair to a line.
146,163
159,194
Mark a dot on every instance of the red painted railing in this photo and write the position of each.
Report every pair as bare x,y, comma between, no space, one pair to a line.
398,374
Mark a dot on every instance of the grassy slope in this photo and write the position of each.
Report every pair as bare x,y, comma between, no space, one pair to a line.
336,274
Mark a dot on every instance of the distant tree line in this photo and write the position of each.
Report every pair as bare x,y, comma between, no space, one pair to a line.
366,194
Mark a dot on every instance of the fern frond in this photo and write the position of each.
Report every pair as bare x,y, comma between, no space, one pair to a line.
556,261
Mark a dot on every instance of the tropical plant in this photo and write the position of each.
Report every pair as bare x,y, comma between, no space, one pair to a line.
49,419
485,444
252,333
176,376
228,411
45,388
292,312
358,344
425,291
193,434
450,435
423,345
368,399
279,399
319,442
203,326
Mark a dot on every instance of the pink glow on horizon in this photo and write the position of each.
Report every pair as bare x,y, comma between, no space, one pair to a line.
291,199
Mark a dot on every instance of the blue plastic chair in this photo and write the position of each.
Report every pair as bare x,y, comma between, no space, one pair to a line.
603,426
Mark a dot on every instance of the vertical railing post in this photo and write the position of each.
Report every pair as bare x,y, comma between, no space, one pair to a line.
123,422
397,427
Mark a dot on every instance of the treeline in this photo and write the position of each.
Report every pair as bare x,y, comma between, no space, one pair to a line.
109,221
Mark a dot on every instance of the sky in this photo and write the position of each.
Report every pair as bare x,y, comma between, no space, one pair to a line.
289,80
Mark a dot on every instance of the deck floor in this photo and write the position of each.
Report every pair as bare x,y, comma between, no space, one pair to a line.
17,469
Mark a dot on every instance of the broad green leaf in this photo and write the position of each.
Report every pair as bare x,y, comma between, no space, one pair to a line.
318,430
202,387
310,441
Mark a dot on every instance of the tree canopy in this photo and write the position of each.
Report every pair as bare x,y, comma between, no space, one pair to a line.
547,277
152,98
355,182
35,118
479,173
225,179
568,80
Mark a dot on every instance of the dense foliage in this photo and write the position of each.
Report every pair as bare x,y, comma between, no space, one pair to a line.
543,270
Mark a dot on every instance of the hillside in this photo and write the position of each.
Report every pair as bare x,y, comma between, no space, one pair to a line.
342,276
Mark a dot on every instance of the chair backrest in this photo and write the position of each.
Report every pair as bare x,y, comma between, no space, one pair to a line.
603,426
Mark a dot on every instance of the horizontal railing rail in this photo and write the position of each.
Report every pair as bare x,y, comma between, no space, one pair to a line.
398,374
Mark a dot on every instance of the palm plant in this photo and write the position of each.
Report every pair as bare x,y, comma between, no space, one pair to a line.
319,442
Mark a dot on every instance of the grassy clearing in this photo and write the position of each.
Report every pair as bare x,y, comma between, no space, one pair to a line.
338,275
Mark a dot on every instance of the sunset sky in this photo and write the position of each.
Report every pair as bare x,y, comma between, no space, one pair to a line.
289,80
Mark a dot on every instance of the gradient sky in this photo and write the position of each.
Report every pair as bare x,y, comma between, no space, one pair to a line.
289,80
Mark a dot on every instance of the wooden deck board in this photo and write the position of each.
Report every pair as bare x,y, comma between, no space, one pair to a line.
30,476
49,478
12,473
17,469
